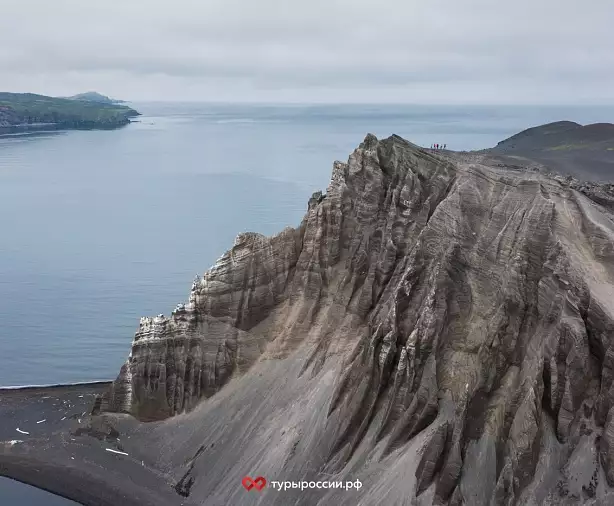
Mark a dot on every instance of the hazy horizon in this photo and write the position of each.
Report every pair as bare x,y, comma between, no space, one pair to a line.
178,100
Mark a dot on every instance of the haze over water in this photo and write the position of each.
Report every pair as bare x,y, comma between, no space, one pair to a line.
102,227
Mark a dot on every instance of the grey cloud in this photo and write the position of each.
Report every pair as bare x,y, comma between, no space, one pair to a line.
441,50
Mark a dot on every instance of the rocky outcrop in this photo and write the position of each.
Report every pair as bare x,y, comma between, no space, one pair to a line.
440,329
177,360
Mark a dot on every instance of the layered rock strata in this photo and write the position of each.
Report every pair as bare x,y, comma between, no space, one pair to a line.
453,323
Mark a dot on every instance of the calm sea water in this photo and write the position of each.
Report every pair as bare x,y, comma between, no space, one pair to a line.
13,493
100,228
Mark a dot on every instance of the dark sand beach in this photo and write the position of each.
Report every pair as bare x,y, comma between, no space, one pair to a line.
49,439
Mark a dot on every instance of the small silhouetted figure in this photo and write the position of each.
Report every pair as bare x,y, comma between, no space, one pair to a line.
436,146
444,146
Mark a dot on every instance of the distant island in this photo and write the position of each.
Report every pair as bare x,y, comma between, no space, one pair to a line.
28,111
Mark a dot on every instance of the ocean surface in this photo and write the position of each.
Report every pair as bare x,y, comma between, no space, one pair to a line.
101,227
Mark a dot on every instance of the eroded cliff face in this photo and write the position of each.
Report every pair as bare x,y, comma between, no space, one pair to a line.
454,324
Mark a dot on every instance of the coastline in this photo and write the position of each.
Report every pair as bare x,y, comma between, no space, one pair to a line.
51,386
7,131
23,112
50,440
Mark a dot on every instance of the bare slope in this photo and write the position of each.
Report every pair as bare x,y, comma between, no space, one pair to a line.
438,328
586,152
449,326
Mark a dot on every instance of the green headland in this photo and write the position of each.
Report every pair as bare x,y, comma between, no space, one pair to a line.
28,111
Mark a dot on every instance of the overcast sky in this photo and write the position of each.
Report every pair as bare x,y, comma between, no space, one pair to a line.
432,51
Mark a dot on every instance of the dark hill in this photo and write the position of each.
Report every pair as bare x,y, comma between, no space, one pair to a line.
583,151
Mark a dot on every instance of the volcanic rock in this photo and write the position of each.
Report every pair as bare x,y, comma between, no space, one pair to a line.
439,328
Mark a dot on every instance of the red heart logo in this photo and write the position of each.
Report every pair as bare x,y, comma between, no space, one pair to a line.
259,483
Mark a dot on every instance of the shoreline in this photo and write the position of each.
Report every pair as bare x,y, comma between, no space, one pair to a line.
50,439
8,131
84,384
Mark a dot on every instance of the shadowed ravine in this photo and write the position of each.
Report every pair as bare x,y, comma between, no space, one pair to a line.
438,327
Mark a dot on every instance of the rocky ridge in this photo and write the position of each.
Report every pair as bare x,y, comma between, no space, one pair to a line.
440,328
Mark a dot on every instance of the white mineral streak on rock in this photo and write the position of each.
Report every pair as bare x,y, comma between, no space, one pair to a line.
115,451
